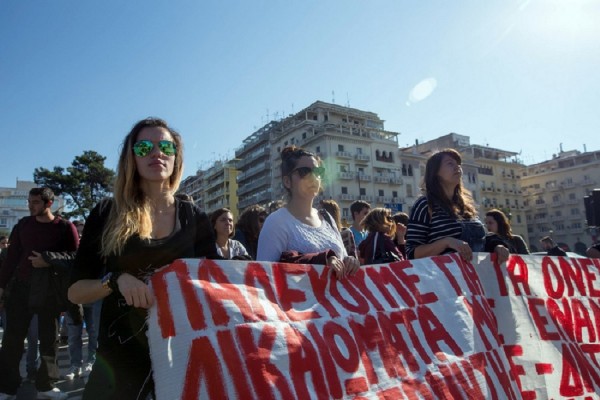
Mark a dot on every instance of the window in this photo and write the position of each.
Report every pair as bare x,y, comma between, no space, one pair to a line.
410,169
363,191
394,193
380,193
3,222
318,149
303,135
409,190
344,190
404,170
574,211
359,150
518,219
340,147
572,196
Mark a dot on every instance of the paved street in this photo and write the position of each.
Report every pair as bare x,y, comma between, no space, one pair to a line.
73,388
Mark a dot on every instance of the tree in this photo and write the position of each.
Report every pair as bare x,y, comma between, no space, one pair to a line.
83,184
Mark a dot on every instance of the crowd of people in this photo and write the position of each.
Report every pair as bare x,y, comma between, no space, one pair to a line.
145,225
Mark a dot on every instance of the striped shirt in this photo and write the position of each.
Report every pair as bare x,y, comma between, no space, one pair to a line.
423,229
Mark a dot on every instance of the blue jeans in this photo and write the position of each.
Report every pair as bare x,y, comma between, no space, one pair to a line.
91,317
473,233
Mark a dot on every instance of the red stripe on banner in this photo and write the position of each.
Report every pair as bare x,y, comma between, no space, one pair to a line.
304,360
542,368
288,295
256,277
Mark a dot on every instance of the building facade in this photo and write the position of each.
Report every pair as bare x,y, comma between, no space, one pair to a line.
553,197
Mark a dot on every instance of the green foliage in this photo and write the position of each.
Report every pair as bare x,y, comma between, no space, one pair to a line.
83,184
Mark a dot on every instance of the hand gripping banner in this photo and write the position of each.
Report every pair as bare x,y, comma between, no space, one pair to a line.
433,328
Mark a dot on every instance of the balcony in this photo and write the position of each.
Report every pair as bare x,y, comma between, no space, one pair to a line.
572,202
540,205
366,198
346,197
382,179
364,178
384,200
346,175
396,181
343,154
362,157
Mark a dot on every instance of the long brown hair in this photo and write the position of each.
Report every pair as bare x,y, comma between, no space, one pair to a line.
130,212
502,222
461,203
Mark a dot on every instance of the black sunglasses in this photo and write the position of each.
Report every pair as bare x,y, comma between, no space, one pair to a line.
318,172
143,147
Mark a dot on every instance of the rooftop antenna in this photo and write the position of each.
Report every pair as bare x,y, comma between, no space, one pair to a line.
333,96
292,108
347,100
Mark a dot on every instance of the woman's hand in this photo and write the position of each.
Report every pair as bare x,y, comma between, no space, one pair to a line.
462,248
351,265
502,253
336,265
400,233
135,291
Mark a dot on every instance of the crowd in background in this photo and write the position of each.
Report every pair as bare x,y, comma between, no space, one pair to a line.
146,225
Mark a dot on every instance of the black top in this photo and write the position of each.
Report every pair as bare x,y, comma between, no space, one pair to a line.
122,338
557,251
515,245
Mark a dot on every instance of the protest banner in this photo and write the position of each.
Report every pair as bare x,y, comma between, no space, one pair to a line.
434,328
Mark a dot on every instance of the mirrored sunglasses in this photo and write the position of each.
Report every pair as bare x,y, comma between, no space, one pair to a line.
144,147
318,172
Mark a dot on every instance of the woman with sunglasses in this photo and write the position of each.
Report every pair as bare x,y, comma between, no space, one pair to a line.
298,227
126,238
379,242
444,219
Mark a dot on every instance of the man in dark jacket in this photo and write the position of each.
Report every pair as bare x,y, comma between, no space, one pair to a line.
33,235
551,247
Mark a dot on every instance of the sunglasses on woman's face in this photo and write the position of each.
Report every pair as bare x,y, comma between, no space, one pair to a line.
318,172
144,147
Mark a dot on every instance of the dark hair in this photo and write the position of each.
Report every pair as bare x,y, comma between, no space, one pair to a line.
45,193
547,239
400,218
78,222
461,203
334,210
215,215
248,222
379,220
289,159
3,237
358,206
502,221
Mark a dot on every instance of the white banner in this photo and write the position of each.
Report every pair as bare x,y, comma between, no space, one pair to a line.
434,328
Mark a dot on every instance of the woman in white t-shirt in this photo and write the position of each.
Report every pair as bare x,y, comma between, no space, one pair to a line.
299,228
222,223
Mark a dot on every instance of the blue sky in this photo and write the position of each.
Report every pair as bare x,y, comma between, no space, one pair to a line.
76,75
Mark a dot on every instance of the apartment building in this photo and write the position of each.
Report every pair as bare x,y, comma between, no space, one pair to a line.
360,156
253,162
193,186
13,204
492,176
214,187
553,197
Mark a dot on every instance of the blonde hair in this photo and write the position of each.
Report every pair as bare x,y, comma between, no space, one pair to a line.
379,219
130,212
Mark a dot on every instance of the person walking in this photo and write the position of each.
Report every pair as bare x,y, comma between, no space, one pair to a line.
41,231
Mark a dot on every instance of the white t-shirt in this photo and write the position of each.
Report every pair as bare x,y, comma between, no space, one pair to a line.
283,232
